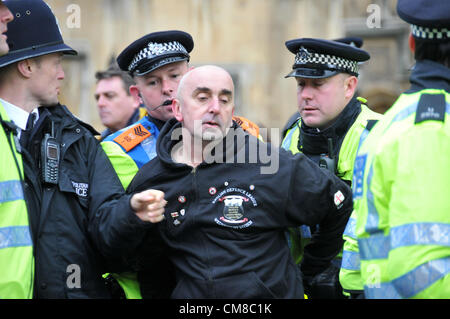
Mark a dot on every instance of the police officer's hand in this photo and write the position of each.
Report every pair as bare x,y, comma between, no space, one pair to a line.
149,205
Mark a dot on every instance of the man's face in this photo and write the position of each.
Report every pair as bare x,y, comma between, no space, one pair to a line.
5,18
160,86
46,79
320,101
205,105
115,105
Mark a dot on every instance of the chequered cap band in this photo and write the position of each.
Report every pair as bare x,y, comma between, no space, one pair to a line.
430,33
303,57
154,50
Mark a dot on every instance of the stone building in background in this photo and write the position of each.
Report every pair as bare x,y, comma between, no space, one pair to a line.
246,37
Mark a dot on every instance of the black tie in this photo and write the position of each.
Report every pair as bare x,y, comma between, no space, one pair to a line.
25,135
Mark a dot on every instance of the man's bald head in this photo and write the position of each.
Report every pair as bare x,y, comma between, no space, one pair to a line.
205,102
209,71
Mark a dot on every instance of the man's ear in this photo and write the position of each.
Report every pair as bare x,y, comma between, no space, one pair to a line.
176,109
26,67
350,84
136,98
134,92
412,43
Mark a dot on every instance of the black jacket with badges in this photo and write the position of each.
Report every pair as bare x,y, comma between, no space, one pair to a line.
83,218
225,222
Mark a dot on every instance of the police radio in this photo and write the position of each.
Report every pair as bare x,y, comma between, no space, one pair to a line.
50,157
328,162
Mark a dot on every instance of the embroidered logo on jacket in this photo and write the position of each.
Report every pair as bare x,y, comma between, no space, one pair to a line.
338,199
81,189
233,211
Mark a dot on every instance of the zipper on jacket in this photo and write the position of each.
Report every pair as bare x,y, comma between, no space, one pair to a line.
207,259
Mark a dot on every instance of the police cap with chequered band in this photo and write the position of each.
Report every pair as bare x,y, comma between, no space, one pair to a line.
429,20
318,58
155,50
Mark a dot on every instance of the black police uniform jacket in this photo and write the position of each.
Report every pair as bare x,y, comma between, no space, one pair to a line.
80,221
225,222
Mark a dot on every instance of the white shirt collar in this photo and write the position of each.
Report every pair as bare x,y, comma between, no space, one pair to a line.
18,115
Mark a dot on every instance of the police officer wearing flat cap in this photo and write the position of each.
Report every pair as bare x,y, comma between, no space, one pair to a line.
353,41
73,220
331,122
402,172
157,61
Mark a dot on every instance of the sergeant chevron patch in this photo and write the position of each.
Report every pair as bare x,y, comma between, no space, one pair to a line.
132,137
